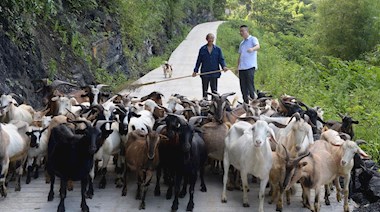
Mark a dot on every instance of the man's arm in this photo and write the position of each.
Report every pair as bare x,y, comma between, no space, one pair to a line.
197,64
222,62
255,48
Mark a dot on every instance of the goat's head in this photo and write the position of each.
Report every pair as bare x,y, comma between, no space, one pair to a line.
64,104
347,123
296,170
6,101
174,123
261,132
219,105
349,150
155,96
35,136
152,142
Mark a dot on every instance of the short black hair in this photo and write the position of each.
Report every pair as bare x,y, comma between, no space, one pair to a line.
243,26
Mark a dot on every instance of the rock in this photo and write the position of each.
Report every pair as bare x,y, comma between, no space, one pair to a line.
369,207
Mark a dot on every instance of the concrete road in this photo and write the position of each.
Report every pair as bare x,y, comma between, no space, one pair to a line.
33,197
183,60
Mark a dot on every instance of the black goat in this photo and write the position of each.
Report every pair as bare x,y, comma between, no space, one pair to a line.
70,157
345,126
189,155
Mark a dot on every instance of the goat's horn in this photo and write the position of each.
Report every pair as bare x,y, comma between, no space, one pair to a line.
194,119
341,115
57,83
224,96
286,153
216,96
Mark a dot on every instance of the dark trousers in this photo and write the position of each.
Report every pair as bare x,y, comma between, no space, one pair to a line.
247,86
212,81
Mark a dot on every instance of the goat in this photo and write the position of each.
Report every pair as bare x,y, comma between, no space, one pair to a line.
70,157
168,69
247,148
37,150
141,156
155,96
21,113
345,126
187,157
334,160
14,145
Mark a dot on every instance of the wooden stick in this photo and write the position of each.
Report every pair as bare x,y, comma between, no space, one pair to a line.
138,85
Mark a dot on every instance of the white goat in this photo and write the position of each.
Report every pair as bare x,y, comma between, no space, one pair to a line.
247,148
22,113
38,149
14,145
146,118
66,104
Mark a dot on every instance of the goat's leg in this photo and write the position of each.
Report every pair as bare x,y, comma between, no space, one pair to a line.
169,192
327,194
244,180
157,191
37,166
3,176
263,185
124,190
145,186
226,166
83,186
193,180
119,172
51,192
279,196
306,197
90,191
177,185
103,171
20,171
338,189
62,194
182,194
140,177
203,185
317,205
29,165
345,192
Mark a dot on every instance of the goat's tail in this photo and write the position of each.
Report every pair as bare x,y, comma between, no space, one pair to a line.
228,124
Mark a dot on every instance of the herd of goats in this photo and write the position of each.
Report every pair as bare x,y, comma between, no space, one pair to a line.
279,141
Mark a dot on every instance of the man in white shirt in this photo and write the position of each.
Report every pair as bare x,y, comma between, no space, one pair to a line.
247,63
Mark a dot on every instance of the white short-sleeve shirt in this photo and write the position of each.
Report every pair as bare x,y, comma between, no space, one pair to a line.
248,59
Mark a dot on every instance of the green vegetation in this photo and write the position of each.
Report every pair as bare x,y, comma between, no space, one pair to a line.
150,30
320,75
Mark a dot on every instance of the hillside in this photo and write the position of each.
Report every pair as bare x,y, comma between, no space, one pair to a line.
90,41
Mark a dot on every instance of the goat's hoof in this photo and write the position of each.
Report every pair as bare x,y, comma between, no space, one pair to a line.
168,195
28,179
89,195
203,189
18,187
85,208
327,202
3,191
36,175
142,206
124,192
224,200
50,196
246,205
278,209
190,206
174,207
270,202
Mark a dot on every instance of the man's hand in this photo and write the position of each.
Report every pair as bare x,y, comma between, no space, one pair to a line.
225,69
250,50
194,74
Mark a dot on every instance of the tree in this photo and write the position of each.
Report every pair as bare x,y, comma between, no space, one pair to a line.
347,28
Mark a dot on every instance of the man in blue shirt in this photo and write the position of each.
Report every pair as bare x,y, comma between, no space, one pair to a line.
210,57
247,63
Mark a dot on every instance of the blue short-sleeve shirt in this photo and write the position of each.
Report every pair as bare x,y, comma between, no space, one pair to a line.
248,60
210,61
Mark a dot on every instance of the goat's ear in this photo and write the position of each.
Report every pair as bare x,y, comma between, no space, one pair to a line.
302,164
272,136
355,122
163,137
28,133
363,154
54,98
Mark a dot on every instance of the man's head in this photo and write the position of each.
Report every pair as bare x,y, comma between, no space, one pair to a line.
210,38
244,31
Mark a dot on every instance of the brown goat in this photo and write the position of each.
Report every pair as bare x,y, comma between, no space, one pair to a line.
141,156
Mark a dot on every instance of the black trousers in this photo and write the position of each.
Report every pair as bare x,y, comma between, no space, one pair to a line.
206,81
247,86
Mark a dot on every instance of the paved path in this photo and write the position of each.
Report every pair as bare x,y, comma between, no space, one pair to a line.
183,60
33,197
